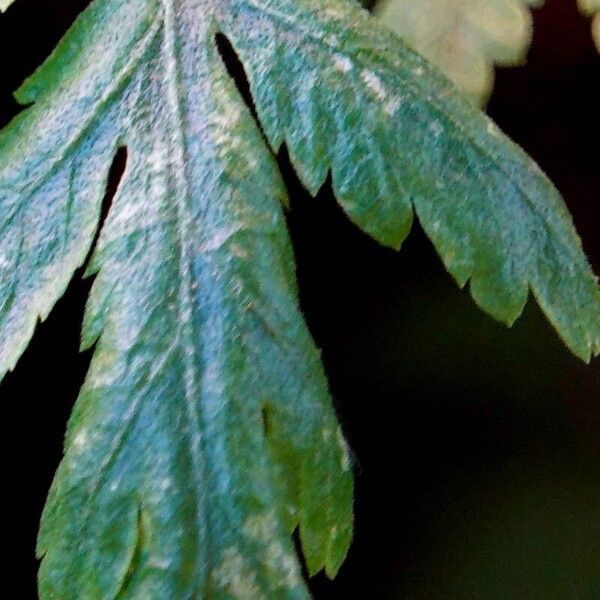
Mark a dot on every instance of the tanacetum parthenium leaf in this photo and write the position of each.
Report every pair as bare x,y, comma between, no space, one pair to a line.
204,433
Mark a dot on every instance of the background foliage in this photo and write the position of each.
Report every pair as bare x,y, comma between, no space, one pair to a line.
467,38
592,8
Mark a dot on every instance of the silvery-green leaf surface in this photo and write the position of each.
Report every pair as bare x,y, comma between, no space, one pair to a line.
204,433
4,4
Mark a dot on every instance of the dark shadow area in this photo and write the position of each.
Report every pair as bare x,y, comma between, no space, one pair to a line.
477,446
236,71
115,174
29,31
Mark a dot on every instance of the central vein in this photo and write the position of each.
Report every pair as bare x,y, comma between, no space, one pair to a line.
181,197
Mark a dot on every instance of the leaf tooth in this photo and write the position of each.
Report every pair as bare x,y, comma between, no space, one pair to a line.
493,216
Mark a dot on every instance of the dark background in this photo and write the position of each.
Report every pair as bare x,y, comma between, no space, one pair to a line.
477,448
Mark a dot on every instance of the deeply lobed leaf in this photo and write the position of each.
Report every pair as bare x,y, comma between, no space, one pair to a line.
494,217
170,486
204,433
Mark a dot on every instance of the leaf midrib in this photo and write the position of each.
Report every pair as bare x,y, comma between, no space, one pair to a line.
192,385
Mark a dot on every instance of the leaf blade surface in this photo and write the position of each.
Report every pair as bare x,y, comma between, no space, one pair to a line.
494,217
204,433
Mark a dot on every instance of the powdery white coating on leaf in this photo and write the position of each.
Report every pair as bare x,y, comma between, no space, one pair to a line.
263,528
234,576
374,84
193,314
393,105
345,461
204,433
81,439
497,222
343,63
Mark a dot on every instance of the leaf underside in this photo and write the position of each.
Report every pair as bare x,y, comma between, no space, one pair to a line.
204,433
465,38
4,4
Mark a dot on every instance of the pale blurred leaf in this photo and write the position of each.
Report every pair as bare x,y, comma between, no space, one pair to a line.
4,4
592,7
465,38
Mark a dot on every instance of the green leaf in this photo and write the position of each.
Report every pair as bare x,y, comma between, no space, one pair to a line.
592,8
170,486
465,38
4,4
204,433
396,135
